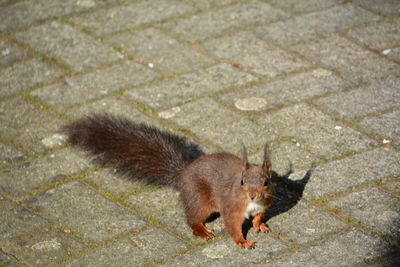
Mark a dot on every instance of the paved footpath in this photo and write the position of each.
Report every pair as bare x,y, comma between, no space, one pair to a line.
317,79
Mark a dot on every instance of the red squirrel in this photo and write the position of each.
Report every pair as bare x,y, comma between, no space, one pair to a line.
219,182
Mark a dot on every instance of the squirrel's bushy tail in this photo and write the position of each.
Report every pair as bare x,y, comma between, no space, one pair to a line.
134,149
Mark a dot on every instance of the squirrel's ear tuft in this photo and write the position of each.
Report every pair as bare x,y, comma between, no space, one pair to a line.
245,159
267,166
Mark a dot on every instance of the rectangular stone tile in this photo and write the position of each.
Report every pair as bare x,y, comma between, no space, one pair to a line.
345,173
163,52
171,92
304,6
383,7
42,172
17,221
386,125
374,208
26,75
25,13
211,121
45,248
123,17
10,53
25,123
80,89
351,249
378,36
200,27
226,253
290,89
207,4
362,101
393,187
309,26
350,60
10,155
151,245
316,131
305,223
69,46
109,181
86,212
286,155
255,54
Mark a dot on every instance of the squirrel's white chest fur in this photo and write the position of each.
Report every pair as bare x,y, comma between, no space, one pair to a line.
253,209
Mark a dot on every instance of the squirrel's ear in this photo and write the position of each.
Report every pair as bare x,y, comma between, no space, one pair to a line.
245,160
266,163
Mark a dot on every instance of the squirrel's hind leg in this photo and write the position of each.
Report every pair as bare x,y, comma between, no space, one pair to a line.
197,211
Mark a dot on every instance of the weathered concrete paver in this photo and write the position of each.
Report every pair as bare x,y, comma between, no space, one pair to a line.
317,80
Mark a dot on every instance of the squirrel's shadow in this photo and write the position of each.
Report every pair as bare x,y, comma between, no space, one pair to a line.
288,194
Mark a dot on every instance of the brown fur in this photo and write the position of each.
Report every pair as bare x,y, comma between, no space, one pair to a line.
219,182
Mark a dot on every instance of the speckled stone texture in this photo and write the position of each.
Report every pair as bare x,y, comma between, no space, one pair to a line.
316,80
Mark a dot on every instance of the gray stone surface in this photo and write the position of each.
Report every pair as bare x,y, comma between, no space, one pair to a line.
383,7
378,36
222,252
303,6
208,120
315,79
365,100
25,13
27,124
350,249
136,250
209,24
10,53
373,208
26,75
350,60
86,212
46,247
9,154
316,131
41,173
309,26
69,46
171,92
80,89
131,15
346,173
291,89
387,126
17,221
160,51
255,54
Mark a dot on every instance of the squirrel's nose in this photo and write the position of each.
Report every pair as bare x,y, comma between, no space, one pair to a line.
252,196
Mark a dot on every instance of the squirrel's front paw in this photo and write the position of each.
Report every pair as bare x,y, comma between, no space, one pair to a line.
249,244
261,227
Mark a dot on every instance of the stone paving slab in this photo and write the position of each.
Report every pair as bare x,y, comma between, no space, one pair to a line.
373,208
317,80
160,51
350,60
209,24
71,47
130,15
255,54
171,92
85,212
91,86
309,26
350,249
26,75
